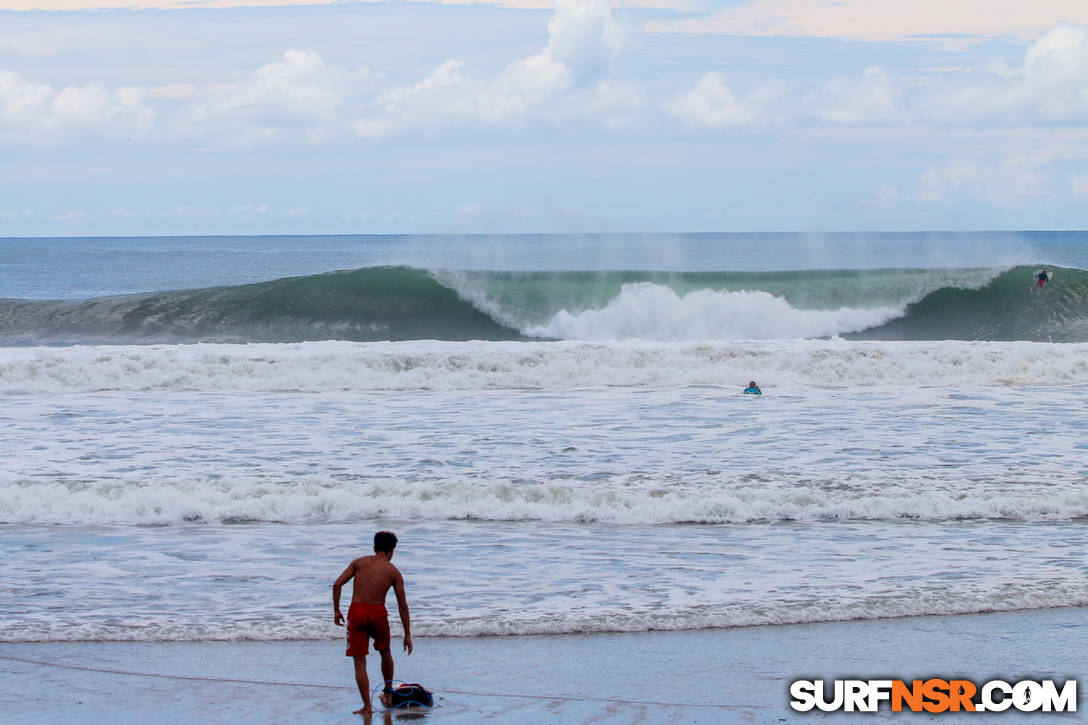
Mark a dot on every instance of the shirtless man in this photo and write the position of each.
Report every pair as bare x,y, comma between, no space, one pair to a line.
367,617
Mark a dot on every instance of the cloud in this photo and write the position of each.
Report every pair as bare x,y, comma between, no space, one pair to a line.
583,36
1051,86
881,20
713,104
567,81
39,113
297,93
568,78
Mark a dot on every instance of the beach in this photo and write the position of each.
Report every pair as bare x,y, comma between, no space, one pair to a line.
737,675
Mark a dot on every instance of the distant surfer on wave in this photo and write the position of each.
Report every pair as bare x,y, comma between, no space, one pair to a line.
367,618
1041,279
752,389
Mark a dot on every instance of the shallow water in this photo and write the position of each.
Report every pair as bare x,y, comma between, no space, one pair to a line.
184,491
269,582
195,515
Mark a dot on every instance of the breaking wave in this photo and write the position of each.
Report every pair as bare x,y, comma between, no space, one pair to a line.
406,303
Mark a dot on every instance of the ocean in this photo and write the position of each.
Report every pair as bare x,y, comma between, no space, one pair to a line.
199,433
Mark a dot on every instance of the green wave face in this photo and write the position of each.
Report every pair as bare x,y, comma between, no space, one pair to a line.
405,303
375,303
1006,308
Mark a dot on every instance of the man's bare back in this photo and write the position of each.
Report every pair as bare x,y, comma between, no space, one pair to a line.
373,576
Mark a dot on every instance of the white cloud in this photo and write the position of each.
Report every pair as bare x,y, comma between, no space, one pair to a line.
1079,184
713,104
1051,86
568,78
39,113
296,92
1056,72
585,37
21,101
446,76
882,20
536,77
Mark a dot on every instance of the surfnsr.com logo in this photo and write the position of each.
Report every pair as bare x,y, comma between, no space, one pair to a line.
933,695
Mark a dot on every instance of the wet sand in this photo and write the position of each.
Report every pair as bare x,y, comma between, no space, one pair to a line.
708,676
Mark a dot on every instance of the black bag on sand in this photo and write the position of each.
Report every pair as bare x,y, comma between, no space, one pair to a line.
410,694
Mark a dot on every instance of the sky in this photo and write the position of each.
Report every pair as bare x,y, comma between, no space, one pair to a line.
155,117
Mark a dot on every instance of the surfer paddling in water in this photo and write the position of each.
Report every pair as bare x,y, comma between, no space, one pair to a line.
367,618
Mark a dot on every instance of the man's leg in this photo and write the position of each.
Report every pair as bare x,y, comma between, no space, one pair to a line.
387,674
363,682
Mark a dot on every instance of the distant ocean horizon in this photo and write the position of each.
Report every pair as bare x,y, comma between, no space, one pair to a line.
206,429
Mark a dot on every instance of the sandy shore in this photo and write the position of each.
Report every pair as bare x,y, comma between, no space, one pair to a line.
708,676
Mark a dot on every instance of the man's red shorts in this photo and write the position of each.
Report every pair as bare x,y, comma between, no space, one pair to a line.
367,621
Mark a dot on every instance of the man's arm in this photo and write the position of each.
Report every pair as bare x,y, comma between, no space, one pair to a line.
341,580
402,607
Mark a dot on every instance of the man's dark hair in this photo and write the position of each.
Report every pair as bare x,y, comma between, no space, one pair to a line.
384,541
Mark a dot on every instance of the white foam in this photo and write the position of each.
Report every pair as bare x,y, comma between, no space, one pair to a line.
430,365
655,312
165,501
181,584
274,626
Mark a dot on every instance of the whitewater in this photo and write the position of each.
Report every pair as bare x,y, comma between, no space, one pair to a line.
205,430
